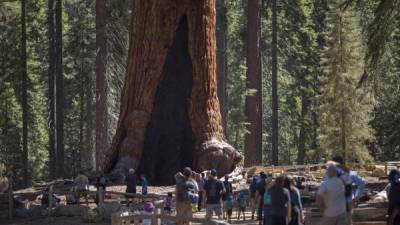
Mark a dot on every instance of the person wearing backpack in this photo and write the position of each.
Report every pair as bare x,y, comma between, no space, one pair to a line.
354,185
295,200
214,189
331,198
185,190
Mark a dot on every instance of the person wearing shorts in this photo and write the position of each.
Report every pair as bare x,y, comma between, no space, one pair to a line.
214,190
229,207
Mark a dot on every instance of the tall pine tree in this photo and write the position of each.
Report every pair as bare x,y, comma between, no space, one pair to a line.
345,111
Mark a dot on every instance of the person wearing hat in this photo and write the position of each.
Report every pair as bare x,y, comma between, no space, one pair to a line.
214,189
131,181
353,183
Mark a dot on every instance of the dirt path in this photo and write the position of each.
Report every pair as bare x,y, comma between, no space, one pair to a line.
47,221
248,220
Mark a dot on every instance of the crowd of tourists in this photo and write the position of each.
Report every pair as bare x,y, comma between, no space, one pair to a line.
275,200
271,200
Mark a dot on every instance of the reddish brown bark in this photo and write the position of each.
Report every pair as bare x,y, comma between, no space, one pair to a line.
154,27
253,104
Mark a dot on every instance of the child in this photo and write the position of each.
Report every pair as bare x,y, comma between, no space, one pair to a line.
229,207
145,184
242,204
194,197
168,204
147,210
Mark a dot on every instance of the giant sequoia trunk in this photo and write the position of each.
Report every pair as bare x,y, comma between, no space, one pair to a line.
170,116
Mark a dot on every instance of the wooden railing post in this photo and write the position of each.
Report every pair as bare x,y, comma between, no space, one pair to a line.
100,195
10,198
115,219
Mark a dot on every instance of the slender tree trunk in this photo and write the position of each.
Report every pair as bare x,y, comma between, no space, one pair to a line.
222,64
170,116
343,137
343,113
274,77
51,84
302,135
59,90
253,105
89,155
24,88
81,108
101,84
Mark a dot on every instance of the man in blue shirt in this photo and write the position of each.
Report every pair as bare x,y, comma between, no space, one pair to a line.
354,185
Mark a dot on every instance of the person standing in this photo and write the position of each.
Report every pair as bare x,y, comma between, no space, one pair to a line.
229,207
354,186
261,185
131,182
214,190
101,183
82,186
279,205
145,184
393,194
252,191
228,193
297,216
185,188
241,199
200,183
331,198
194,195
168,204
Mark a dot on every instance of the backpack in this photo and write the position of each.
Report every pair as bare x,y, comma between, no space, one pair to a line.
348,187
186,191
212,188
267,198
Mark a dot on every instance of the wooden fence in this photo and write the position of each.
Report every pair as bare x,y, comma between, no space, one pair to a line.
101,193
157,218
10,197
394,163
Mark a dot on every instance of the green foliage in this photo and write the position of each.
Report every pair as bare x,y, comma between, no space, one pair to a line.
317,103
386,121
236,84
345,111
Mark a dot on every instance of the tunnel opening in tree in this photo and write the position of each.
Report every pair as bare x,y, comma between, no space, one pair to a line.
170,115
169,141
